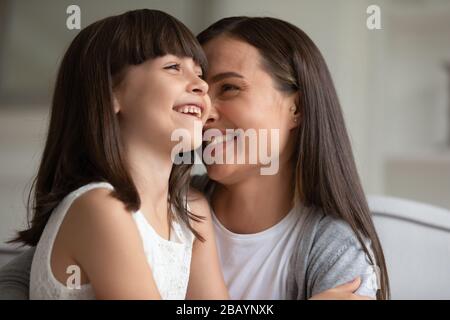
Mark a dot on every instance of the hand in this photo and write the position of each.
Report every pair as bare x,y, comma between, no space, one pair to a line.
342,292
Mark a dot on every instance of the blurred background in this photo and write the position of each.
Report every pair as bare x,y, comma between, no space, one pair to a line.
393,83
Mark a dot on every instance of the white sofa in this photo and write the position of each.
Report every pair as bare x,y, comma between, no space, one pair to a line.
416,243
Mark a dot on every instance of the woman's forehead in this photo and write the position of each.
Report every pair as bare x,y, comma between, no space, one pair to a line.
226,54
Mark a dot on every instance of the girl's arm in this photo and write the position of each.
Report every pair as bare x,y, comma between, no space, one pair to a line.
343,292
101,235
206,278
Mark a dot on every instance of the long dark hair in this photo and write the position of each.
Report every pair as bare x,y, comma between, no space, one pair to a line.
326,174
83,142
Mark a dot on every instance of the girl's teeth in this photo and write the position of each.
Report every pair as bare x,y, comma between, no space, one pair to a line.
190,109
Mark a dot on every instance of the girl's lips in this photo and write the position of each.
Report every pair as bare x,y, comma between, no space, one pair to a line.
192,109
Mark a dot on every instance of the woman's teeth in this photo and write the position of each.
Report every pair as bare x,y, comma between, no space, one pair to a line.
190,109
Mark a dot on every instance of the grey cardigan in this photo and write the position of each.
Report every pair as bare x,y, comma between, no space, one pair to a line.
329,254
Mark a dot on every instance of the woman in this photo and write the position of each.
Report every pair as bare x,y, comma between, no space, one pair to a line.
109,205
312,215
306,229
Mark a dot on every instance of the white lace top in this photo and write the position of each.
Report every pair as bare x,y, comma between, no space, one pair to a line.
169,260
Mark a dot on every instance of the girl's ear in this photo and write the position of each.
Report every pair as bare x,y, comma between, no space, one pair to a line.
116,104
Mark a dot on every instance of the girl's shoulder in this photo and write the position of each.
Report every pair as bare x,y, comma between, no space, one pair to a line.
94,215
95,201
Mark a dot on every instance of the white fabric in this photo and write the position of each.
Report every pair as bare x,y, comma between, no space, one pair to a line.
169,260
255,266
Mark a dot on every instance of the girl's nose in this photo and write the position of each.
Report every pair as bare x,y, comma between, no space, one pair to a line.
198,86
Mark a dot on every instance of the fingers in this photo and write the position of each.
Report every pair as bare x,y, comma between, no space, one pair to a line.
351,286
357,297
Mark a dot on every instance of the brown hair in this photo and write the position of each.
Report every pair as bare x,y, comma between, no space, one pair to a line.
326,175
83,142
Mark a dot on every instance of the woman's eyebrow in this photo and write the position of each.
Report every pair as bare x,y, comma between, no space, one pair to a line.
224,75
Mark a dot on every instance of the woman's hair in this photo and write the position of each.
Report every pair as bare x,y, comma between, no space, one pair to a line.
83,142
326,174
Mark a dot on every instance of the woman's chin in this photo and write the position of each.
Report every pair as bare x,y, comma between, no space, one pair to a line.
222,173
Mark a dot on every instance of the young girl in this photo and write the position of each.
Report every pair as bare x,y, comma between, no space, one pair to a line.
109,205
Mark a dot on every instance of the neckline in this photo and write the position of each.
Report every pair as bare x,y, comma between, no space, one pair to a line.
174,232
261,234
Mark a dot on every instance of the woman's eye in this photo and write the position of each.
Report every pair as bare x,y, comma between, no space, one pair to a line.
229,87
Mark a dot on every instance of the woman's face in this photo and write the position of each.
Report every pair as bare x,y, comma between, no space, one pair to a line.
160,96
244,96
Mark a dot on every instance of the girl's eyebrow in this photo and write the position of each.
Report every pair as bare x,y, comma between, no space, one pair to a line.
224,75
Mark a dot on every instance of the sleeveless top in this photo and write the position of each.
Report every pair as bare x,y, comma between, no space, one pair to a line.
169,260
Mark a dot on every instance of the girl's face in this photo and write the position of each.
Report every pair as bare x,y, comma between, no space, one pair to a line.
160,96
244,97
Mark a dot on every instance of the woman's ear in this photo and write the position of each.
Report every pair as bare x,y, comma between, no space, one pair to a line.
294,113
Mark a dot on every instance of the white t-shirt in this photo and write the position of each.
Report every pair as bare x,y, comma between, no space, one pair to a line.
255,266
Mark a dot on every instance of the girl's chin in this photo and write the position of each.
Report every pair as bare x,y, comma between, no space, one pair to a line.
187,136
190,123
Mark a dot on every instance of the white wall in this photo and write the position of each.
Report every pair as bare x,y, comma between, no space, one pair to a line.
390,83
36,41
409,101
21,141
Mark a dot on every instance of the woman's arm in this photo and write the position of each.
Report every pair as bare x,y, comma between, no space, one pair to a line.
103,238
336,259
206,278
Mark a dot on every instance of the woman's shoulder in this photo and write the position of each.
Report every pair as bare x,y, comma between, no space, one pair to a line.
333,242
336,256
330,228
332,236
327,238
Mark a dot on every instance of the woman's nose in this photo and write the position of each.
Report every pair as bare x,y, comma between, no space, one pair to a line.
213,116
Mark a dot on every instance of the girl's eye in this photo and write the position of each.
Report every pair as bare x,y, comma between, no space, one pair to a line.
175,66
